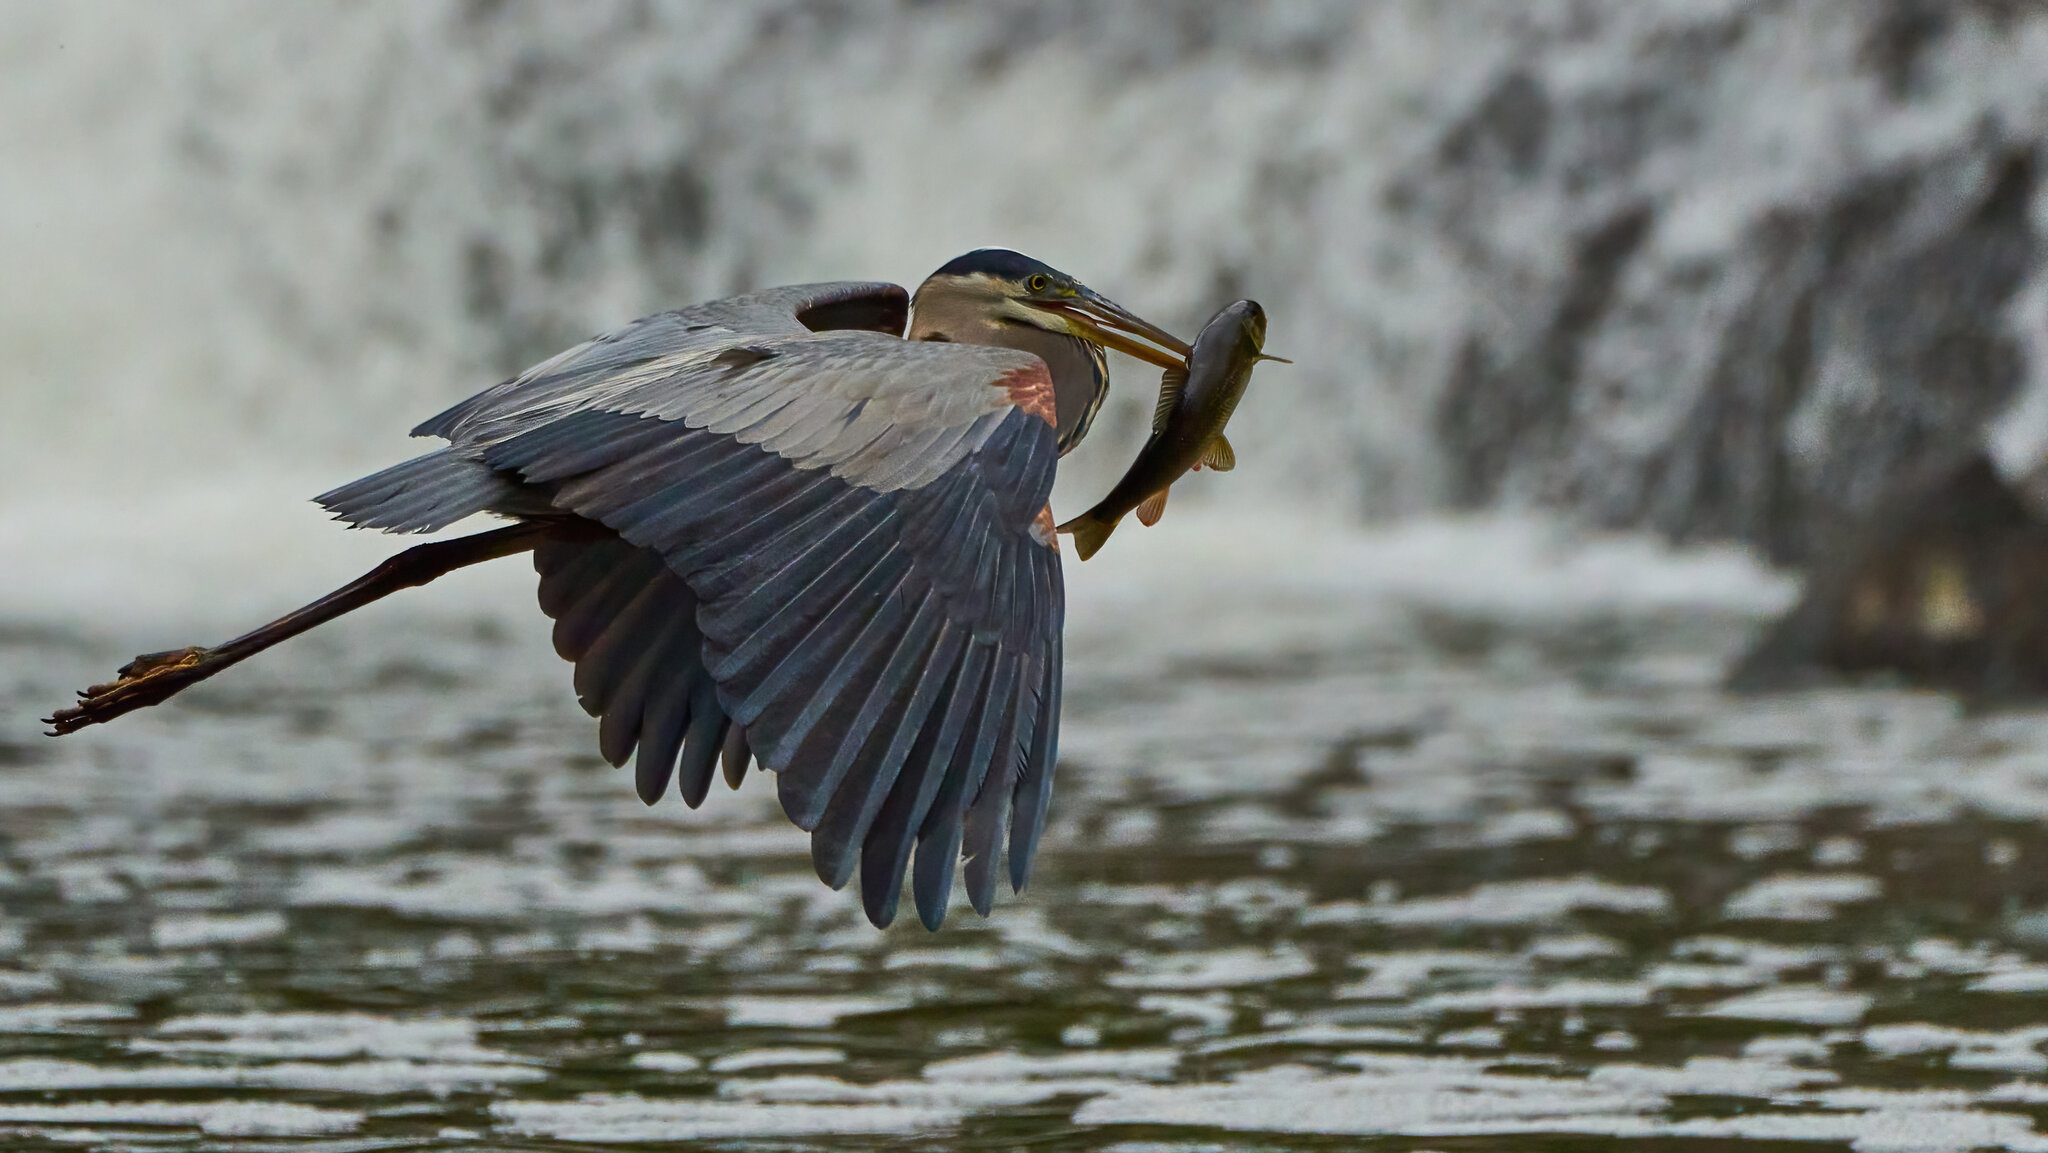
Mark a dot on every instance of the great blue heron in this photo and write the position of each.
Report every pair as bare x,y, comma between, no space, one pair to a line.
784,527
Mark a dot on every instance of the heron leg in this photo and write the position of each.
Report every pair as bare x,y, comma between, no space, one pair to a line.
153,678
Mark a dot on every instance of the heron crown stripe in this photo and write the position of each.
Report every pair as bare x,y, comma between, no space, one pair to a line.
1002,263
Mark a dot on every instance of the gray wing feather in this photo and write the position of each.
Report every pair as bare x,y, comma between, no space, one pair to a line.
792,311
426,494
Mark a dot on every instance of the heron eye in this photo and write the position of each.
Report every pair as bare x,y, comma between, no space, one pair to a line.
1038,283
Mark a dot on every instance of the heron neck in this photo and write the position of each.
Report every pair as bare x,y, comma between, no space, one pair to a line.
1080,370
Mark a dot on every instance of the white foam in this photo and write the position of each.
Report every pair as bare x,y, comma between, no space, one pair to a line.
1320,1036
1009,1066
1396,975
2019,979
1512,903
55,1017
606,1118
1477,1037
1412,1095
2015,1051
1574,947
362,1077
969,958
1560,995
327,1036
199,929
775,1058
1787,1047
1212,1011
804,1012
664,1062
1717,1076
218,1118
1801,896
1804,1004
1216,969
1683,976
1449,1097
961,1095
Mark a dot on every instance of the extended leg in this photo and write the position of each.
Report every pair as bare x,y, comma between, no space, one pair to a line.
155,677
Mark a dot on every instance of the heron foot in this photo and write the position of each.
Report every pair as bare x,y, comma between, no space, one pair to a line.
147,680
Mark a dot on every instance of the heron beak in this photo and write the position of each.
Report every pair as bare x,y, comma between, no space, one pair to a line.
1097,318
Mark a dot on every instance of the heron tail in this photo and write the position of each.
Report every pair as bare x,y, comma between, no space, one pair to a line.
424,494
1089,532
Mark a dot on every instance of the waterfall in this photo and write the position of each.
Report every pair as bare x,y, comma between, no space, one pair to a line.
1715,268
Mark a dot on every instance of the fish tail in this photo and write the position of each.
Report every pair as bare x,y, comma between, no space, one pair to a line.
1089,532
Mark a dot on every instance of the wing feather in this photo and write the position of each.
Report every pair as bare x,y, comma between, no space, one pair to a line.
811,663
661,739
569,568
592,613
870,752
1034,790
815,587
667,699
704,741
751,400
826,753
938,847
982,840
634,663
886,852
605,666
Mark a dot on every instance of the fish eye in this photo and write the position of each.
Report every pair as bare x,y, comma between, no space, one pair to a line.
1038,283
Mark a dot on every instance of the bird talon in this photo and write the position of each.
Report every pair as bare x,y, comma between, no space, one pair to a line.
149,663
146,680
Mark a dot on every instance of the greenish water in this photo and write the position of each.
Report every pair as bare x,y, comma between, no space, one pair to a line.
1456,881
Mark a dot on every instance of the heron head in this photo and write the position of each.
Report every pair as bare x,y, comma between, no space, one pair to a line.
996,288
998,297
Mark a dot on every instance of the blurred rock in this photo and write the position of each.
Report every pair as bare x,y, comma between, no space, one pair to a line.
1946,587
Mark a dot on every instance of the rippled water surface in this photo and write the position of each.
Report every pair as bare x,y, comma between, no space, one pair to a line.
1433,876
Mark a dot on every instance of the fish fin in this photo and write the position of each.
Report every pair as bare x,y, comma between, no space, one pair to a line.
1220,455
1153,508
1089,532
1171,382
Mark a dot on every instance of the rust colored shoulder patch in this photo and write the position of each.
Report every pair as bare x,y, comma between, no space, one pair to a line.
1043,531
1031,390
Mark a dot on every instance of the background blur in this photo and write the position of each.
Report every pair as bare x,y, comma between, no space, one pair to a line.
1717,269
1399,798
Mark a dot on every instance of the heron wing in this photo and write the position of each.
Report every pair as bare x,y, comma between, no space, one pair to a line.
433,491
793,310
862,524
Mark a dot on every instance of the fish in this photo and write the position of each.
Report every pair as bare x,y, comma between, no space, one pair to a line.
1195,402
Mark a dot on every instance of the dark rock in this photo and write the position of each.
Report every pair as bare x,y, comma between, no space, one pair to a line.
1944,587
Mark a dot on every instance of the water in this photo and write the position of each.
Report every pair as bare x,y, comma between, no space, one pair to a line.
1444,840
